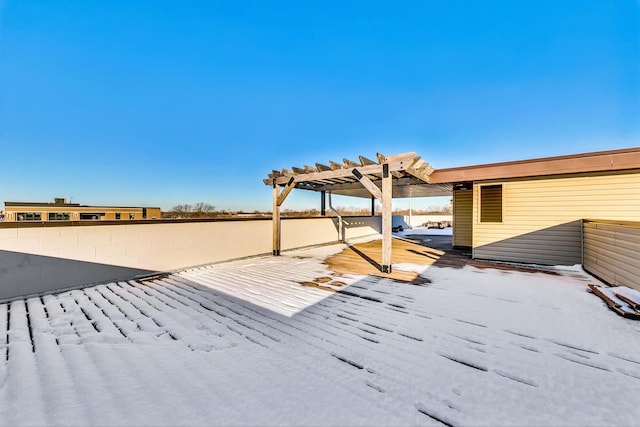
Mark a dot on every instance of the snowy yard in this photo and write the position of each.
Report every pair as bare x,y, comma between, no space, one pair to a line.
244,343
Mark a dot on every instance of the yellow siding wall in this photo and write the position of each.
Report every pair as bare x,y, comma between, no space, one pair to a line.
462,218
541,220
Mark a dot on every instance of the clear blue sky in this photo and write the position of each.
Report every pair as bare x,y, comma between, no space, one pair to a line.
166,102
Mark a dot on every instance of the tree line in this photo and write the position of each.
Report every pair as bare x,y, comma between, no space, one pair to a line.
197,210
207,210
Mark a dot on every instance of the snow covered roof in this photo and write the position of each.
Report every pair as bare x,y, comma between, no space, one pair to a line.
245,343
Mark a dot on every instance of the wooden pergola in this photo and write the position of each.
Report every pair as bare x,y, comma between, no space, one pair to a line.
399,176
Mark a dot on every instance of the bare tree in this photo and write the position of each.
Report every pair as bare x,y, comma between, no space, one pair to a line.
198,210
202,209
182,210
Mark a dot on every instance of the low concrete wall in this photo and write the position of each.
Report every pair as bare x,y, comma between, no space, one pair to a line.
611,251
361,226
418,220
36,259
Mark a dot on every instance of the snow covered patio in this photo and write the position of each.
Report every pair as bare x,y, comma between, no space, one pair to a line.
253,342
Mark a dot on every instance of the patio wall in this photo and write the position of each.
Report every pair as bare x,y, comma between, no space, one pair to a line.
37,258
611,251
418,220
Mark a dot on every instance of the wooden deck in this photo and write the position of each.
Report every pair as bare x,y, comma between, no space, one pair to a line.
364,258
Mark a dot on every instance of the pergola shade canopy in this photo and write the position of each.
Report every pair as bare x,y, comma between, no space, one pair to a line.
410,177
401,175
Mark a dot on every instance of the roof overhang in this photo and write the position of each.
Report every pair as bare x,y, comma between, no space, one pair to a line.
613,160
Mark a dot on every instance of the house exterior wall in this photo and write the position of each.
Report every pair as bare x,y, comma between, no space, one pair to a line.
462,218
541,218
612,252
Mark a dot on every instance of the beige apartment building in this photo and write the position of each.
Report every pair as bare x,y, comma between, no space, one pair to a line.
60,210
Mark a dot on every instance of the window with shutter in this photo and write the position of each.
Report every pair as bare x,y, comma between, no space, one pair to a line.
491,203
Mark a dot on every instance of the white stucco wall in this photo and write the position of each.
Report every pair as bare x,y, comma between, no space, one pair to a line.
39,259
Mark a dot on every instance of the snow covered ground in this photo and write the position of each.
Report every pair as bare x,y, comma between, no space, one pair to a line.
447,231
245,343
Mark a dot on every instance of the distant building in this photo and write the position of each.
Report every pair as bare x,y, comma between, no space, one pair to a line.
60,210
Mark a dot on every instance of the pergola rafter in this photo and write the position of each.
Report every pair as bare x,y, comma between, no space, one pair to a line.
400,175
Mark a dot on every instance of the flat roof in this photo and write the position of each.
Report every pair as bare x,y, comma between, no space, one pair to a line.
41,204
611,160
70,205
470,346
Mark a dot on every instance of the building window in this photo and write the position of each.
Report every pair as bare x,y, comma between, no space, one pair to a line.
117,215
59,216
91,216
491,203
29,216
132,216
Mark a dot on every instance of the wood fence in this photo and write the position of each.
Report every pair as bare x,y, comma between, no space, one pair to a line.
611,251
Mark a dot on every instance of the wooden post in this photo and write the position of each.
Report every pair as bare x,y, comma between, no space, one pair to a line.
323,203
373,206
276,220
387,195
278,200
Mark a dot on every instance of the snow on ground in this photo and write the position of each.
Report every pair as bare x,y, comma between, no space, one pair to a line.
282,292
447,231
472,347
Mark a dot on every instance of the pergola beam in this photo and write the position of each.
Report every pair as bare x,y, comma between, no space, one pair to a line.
368,184
394,165
420,169
365,162
286,190
398,182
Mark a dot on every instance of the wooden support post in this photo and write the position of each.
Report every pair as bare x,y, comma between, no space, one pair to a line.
276,220
278,199
387,195
373,206
323,203
384,196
